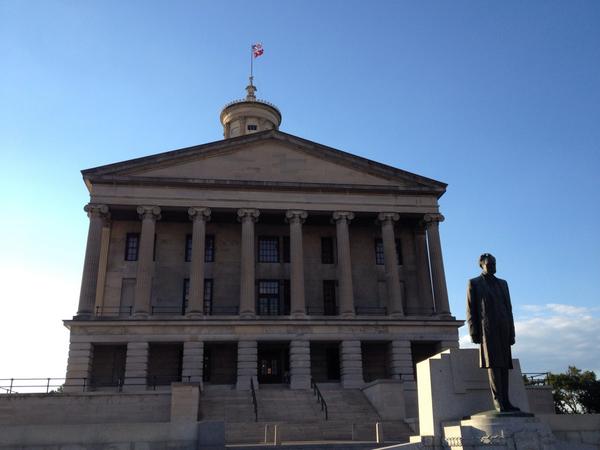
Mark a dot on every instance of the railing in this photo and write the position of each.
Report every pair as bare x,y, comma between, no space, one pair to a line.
57,385
320,311
167,310
223,311
254,402
536,378
320,398
113,311
371,311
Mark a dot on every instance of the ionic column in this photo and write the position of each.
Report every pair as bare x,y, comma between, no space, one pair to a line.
136,366
247,365
438,277
196,295
409,261
247,298
89,280
298,301
145,265
193,362
423,274
344,263
299,364
352,370
391,263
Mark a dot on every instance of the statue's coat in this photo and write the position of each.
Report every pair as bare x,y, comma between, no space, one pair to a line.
490,320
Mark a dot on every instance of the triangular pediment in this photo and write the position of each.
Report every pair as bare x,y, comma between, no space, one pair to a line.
272,157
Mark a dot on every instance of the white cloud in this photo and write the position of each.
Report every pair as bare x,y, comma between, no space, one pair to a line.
554,336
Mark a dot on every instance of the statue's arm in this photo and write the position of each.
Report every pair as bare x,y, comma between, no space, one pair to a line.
473,318
512,322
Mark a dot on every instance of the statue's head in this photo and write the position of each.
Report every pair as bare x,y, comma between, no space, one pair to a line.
487,262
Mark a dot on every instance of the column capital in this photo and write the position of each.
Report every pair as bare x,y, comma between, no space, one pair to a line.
342,215
199,213
96,210
149,212
248,214
295,215
433,218
388,216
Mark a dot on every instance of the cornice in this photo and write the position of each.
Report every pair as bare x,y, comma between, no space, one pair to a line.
127,180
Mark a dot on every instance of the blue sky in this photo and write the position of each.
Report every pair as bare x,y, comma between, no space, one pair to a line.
501,100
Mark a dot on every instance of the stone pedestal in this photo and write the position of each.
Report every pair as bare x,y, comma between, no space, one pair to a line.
499,432
78,366
193,362
247,364
300,364
185,402
352,375
136,366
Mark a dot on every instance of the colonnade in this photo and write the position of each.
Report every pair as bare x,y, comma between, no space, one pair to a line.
430,267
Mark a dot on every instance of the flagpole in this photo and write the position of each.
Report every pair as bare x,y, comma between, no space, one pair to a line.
251,66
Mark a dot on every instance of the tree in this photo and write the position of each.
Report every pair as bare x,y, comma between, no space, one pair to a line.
575,391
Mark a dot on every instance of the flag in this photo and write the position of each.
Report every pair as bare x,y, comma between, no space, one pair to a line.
257,49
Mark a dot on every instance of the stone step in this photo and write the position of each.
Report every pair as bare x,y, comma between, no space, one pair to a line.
311,431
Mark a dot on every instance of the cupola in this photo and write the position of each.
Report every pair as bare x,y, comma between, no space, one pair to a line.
249,115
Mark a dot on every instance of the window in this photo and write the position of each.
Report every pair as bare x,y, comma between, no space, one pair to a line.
329,301
379,257
132,246
268,297
186,294
379,254
209,248
268,249
327,254
252,127
188,247
154,248
208,295
286,249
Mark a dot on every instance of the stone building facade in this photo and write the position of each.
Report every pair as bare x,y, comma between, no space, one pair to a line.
263,257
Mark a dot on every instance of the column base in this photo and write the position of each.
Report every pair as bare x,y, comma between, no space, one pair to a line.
141,315
347,315
194,315
397,315
247,315
298,315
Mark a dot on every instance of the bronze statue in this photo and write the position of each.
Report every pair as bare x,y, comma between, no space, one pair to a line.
490,320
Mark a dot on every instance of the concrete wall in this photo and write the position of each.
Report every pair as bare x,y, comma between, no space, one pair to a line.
121,436
579,428
34,409
540,399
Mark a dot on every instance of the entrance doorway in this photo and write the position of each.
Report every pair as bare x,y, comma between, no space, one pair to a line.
273,362
220,363
325,361
108,365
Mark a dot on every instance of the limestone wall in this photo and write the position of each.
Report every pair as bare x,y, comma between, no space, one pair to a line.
171,269
47,409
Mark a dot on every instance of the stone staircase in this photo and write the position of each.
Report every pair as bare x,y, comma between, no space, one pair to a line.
297,414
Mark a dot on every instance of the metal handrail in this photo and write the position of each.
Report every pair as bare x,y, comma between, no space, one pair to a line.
320,398
371,310
537,378
113,311
51,385
254,402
